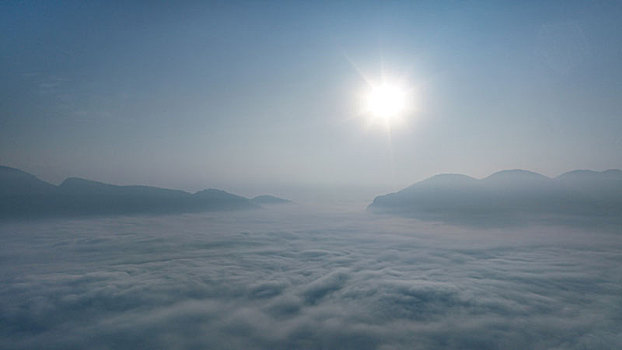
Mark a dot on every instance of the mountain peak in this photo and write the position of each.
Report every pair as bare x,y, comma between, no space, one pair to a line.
78,181
517,179
445,180
23,196
268,199
450,177
516,173
508,192
17,182
585,174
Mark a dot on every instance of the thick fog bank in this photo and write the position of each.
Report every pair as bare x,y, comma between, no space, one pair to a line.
291,277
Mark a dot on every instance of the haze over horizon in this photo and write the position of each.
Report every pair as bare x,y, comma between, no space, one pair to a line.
253,96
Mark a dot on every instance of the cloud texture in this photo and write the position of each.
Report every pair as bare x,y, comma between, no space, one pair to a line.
287,278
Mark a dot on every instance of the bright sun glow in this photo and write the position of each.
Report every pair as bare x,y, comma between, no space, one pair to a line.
386,101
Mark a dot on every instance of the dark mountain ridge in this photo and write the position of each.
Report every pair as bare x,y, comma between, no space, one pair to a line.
24,196
269,200
508,194
16,182
79,186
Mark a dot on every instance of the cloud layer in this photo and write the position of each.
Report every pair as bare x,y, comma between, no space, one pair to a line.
288,278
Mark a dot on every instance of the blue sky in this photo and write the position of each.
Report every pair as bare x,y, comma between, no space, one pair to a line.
243,95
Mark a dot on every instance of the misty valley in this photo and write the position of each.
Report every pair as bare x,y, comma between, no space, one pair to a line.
266,273
504,198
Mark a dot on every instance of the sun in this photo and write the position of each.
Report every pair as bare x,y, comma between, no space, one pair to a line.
387,103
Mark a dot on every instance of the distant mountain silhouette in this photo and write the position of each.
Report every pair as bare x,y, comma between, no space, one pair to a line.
79,186
508,195
269,200
603,185
24,196
213,199
16,182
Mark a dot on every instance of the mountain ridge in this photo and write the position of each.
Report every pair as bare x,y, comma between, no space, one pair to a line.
508,193
24,196
267,199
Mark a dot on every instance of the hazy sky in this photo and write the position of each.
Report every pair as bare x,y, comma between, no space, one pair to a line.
234,94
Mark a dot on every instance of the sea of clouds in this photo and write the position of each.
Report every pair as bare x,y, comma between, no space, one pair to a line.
306,278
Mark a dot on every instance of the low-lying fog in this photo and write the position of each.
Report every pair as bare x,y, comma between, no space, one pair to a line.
296,277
